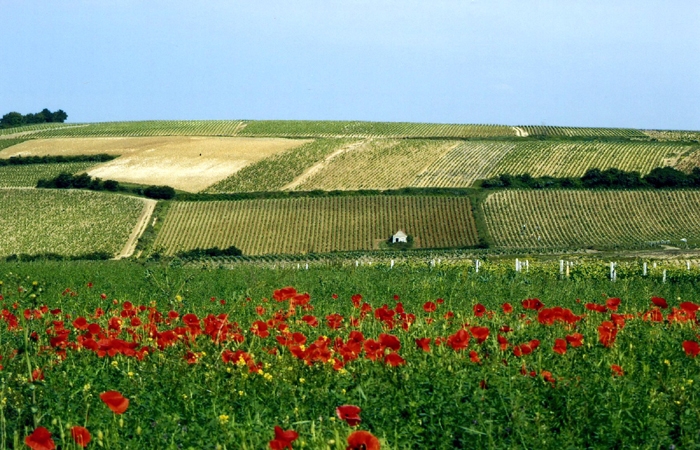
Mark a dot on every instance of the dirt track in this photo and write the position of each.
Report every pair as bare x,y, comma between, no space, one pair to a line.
144,218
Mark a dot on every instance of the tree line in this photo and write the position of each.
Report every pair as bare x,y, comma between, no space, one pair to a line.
46,159
15,119
658,178
65,180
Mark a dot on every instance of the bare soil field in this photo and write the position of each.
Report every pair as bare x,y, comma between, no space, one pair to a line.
187,163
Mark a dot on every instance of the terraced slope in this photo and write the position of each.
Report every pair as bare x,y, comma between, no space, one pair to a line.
65,222
316,224
601,219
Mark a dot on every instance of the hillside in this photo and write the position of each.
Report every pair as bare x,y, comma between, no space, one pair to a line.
432,170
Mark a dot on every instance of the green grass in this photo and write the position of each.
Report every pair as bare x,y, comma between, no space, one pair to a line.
436,400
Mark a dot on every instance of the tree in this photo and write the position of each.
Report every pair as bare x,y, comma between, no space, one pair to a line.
11,119
59,116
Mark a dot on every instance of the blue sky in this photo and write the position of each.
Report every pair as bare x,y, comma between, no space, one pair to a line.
600,63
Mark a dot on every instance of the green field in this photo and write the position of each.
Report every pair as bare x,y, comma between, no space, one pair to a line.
185,347
316,225
65,222
592,219
28,175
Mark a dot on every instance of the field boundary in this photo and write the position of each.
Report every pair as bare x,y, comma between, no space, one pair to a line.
143,220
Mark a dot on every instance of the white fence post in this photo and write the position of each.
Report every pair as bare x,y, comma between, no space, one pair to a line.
644,269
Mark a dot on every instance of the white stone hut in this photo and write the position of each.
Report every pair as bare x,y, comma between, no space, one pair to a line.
399,236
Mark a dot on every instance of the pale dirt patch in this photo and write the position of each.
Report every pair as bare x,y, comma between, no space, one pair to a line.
186,163
142,223
311,171
520,132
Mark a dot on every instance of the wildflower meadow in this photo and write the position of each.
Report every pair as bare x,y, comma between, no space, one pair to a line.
120,355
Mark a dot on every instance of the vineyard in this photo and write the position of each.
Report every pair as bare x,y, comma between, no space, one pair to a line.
28,175
275,172
317,225
577,132
373,129
378,164
146,128
592,219
65,222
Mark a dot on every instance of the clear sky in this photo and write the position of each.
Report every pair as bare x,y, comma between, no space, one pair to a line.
607,63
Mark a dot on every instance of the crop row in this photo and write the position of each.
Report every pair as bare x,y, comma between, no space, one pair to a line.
583,132
372,129
580,219
307,225
148,128
65,222
378,164
28,175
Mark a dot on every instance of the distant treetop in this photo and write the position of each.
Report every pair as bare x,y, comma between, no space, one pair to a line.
15,119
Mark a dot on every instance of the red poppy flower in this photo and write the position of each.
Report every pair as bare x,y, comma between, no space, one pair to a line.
617,370
283,439
80,435
596,307
459,340
40,439
660,302
334,321
310,320
533,303
507,308
612,303
423,344
393,359
115,401
575,340
560,346
607,333
390,341
349,413
362,440
474,357
502,342
80,323
284,294
689,307
691,348
429,307
547,375
479,310
259,328
480,333
37,375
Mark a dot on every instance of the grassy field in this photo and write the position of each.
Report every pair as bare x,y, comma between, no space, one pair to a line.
307,225
28,175
65,222
595,219
433,356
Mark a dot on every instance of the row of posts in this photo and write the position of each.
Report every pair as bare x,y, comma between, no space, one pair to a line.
564,267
